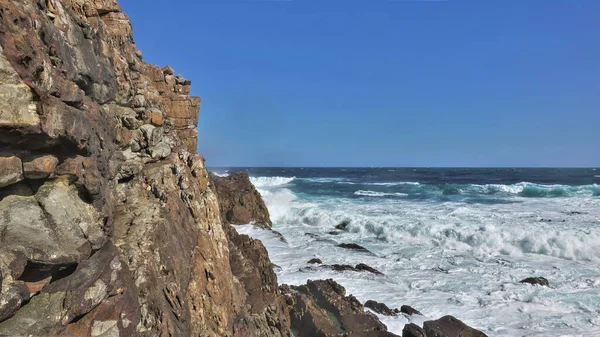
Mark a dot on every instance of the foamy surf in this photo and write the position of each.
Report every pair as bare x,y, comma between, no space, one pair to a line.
459,254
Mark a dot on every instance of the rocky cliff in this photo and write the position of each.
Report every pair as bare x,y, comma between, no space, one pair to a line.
110,224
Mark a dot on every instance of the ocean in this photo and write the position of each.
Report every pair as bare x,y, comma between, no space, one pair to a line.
450,241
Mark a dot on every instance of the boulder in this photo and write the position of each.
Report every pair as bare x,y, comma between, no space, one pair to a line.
11,170
449,326
353,246
40,167
321,308
314,261
407,309
342,225
413,330
381,308
536,280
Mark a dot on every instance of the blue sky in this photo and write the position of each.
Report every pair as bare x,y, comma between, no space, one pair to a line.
385,83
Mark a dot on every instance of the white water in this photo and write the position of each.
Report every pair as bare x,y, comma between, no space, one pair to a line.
450,257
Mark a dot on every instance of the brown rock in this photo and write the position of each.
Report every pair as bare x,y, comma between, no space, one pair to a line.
364,267
239,201
321,308
406,309
449,326
413,330
156,118
11,170
381,308
353,246
314,261
536,280
40,168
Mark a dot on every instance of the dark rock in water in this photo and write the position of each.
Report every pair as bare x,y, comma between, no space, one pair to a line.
314,261
536,280
342,225
311,235
413,330
449,326
321,308
358,268
239,201
353,246
407,309
341,267
381,308
334,233
364,267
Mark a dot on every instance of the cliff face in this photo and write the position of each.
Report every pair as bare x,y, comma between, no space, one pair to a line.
108,222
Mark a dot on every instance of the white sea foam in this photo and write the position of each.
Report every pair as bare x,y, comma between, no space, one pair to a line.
270,181
451,258
221,174
377,194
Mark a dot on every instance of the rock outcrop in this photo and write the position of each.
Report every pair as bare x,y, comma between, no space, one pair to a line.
447,326
321,308
110,224
239,201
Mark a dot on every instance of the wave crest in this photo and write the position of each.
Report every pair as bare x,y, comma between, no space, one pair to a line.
270,181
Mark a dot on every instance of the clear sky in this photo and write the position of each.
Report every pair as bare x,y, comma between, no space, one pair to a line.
385,83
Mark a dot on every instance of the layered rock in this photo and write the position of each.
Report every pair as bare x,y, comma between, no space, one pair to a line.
108,223
240,202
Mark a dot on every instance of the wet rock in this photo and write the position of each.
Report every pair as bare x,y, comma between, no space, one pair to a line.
321,308
239,201
536,280
413,330
449,326
342,225
334,233
358,268
353,246
314,261
364,267
381,308
11,170
407,309
40,168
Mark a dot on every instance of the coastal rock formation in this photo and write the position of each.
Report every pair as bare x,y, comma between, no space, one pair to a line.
239,201
447,326
321,308
110,224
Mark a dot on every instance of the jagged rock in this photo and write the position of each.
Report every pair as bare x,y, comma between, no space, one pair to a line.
407,309
167,70
11,170
381,308
353,246
536,280
160,150
112,242
321,308
364,267
239,201
342,225
314,261
39,168
413,330
449,326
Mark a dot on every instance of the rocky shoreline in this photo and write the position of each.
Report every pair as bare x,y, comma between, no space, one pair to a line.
110,224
